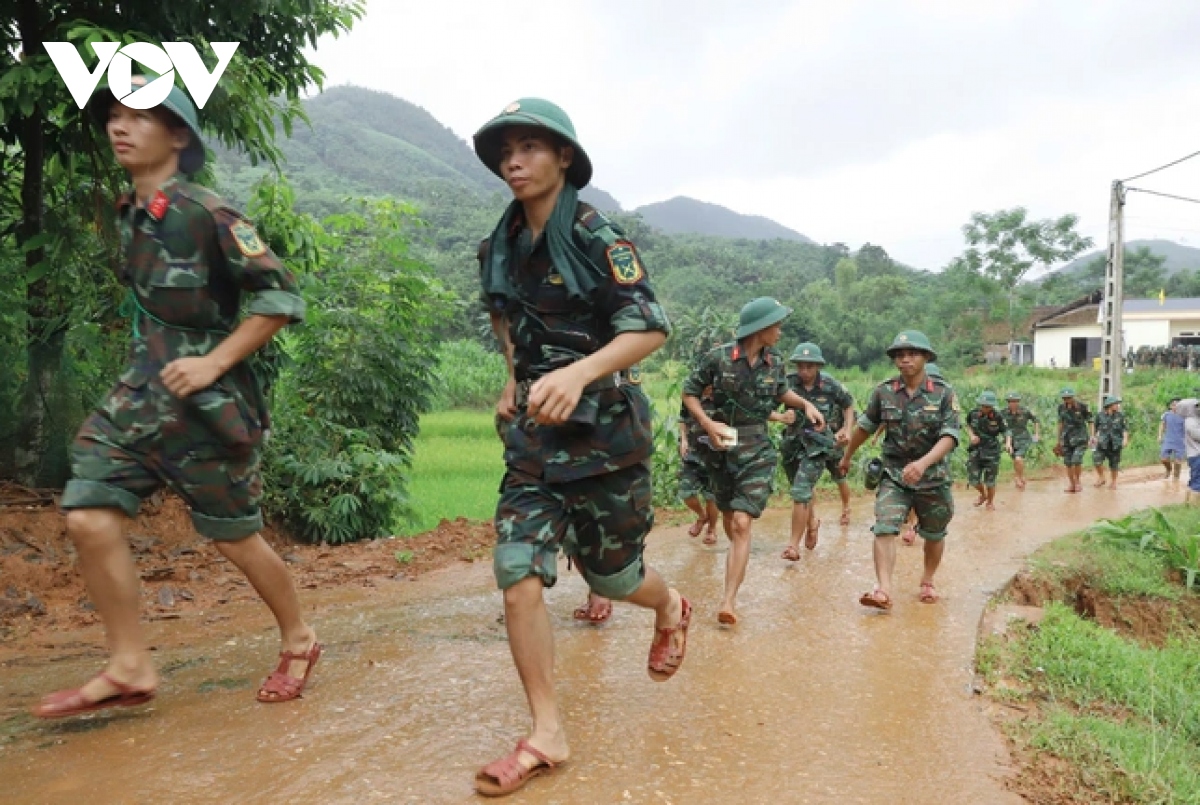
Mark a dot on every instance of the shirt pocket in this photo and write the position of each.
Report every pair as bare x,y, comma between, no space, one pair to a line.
178,293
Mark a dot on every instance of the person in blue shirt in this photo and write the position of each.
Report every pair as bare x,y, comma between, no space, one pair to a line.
1170,437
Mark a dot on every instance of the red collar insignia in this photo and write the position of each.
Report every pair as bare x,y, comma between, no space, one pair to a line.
158,206
928,384
737,352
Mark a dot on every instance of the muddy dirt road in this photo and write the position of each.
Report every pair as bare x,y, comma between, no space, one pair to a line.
810,699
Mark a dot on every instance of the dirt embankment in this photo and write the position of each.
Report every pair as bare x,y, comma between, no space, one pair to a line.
41,588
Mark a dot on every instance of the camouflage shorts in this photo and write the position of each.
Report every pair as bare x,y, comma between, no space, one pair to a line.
1021,447
204,449
1110,454
744,477
934,509
982,468
805,471
693,479
601,522
1072,454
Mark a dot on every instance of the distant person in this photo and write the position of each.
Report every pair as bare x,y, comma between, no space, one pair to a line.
1018,417
749,381
188,413
988,437
1170,438
1188,410
573,309
807,453
1074,435
1111,437
920,416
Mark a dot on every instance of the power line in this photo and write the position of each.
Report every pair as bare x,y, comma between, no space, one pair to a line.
1164,167
1164,195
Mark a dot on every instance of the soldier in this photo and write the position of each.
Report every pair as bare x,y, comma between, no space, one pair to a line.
749,382
1017,417
807,453
921,417
188,412
908,533
1074,434
572,306
695,487
985,428
1111,437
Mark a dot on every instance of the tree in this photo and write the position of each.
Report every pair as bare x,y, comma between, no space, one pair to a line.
1005,246
66,173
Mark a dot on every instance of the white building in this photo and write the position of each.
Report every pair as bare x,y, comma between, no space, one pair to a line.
1071,335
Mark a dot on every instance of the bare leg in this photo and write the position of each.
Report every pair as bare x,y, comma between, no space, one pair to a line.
800,525
1115,473
1019,469
270,577
933,559
655,594
979,501
112,582
844,493
884,552
710,537
1166,462
991,498
1100,475
531,641
738,524
694,504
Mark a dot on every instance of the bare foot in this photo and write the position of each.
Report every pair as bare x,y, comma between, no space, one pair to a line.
990,507
979,501
845,519
791,553
812,535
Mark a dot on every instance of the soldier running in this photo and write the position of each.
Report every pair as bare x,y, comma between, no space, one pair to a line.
985,429
749,382
1111,437
921,418
1074,435
1017,417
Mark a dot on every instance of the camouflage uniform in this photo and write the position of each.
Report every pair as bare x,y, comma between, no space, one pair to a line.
693,472
187,260
592,473
1110,439
1074,438
914,425
807,452
983,459
1018,426
744,397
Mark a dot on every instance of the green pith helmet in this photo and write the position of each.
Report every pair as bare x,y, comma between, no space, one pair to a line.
1013,397
191,158
934,370
759,314
1067,392
539,113
808,352
988,398
912,339
1111,400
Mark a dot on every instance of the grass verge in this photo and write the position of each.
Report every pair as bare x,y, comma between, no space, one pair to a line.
1100,699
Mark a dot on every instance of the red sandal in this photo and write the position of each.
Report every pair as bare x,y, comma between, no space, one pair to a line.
507,774
664,658
64,703
281,686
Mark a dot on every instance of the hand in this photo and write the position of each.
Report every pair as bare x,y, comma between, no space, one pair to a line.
716,434
683,448
788,417
843,437
554,396
844,464
913,472
183,377
506,407
814,416
974,440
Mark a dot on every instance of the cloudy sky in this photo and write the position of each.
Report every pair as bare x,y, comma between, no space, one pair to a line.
887,121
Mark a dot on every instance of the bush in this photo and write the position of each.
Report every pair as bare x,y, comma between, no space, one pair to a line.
468,375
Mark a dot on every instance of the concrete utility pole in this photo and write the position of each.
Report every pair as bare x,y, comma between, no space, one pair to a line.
1112,358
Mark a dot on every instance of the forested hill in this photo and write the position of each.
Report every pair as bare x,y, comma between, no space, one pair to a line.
1176,257
683,215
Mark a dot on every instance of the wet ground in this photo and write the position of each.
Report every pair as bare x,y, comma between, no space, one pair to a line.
809,699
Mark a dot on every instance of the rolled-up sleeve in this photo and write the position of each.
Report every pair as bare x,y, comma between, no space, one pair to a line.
950,425
868,420
270,288
701,376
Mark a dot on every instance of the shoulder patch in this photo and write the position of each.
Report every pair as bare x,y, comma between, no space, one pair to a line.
248,241
622,259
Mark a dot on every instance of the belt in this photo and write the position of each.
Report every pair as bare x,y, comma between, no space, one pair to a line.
600,384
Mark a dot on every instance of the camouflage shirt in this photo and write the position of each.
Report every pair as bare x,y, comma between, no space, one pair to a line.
1074,422
610,428
914,425
742,394
831,399
193,266
1110,430
989,428
1018,423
